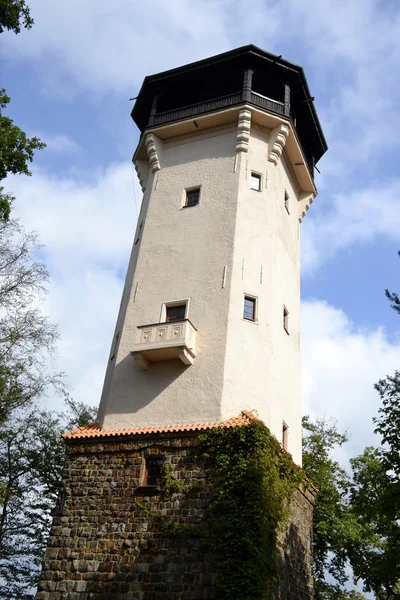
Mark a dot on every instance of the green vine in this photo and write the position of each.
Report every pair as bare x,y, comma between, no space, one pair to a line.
167,525
170,484
254,482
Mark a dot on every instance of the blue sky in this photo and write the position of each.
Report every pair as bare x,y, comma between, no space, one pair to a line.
70,79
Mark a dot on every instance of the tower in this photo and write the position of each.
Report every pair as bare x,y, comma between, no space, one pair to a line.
209,318
207,337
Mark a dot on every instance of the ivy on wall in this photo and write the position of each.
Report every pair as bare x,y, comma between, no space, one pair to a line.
253,485
252,482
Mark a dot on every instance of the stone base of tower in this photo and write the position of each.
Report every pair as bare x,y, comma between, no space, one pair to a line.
114,537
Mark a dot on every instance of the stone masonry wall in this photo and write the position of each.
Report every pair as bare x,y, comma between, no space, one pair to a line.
114,540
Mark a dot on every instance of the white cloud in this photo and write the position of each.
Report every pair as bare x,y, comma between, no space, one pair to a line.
85,305
341,363
107,47
87,229
58,143
350,51
354,216
80,221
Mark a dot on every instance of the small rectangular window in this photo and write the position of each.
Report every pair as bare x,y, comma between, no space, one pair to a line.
284,435
286,201
115,346
286,319
175,312
255,181
192,197
152,473
249,308
139,233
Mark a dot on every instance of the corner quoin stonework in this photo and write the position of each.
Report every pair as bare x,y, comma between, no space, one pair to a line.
112,540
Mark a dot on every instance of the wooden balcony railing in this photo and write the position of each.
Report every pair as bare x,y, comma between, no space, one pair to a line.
222,102
267,103
197,109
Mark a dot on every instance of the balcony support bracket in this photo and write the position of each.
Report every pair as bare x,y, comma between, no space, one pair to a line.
185,356
141,360
277,142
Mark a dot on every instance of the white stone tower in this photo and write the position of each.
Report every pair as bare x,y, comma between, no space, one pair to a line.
209,319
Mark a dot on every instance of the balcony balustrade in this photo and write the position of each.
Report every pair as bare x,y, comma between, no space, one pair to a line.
223,102
165,341
193,110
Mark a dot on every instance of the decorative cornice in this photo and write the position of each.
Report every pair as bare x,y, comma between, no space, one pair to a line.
278,140
152,153
243,130
305,201
140,175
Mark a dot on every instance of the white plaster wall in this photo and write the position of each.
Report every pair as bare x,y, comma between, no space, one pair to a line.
183,252
262,365
128,292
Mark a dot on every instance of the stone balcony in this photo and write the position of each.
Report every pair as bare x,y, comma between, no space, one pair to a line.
165,341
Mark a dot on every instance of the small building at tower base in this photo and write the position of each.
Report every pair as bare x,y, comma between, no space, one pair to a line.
129,522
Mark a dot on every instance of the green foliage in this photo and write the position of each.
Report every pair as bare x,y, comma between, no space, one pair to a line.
169,526
331,510
375,496
339,535
393,298
387,424
170,485
27,338
253,484
31,448
14,14
357,516
16,149
79,414
31,464
375,493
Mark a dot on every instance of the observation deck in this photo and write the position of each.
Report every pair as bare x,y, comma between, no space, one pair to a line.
247,75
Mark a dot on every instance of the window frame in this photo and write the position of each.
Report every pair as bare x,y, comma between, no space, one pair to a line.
286,319
285,435
168,318
115,345
139,233
145,474
172,303
188,190
254,300
256,174
286,201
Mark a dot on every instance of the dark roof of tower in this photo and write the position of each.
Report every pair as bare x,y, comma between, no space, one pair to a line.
223,72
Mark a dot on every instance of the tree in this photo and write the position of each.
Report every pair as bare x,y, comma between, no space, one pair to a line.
337,531
375,492
16,149
31,448
27,338
357,514
31,465
375,497
13,15
393,298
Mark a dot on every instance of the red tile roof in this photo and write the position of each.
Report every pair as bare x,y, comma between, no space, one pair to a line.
94,430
